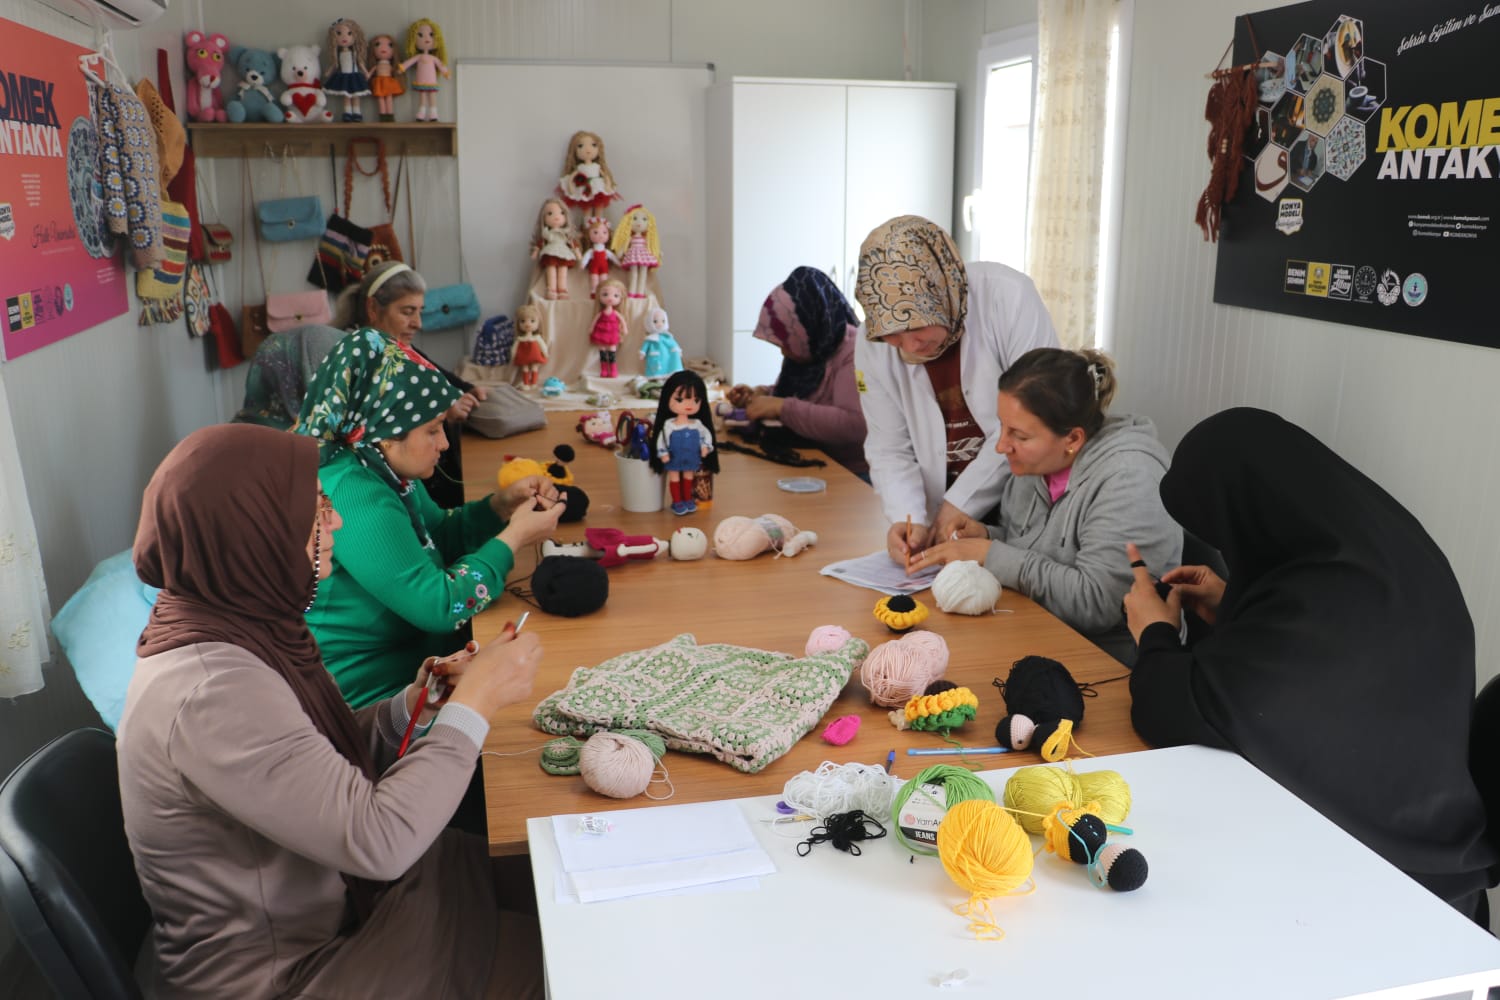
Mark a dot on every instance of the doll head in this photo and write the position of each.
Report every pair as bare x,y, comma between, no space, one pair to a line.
553,215
382,49
425,36
611,293
587,147
598,228
656,321
637,221
345,33
529,319
684,391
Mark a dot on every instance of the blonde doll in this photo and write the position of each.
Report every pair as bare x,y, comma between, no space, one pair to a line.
554,246
586,183
426,51
531,343
347,78
609,326
599,256
638,246
386,83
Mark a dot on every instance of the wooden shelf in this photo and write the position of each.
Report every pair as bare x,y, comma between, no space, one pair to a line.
263,139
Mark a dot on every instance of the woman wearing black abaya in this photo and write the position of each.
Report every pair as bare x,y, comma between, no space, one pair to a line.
1341,656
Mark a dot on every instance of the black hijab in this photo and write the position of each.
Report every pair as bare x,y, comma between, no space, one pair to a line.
1342,658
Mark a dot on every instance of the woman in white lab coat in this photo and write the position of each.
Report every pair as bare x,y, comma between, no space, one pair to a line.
937,336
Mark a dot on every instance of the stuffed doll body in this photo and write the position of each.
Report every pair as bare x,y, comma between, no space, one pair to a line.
639,247
609,327
347,77
426,58
206,55
554,246
659,351
599,256
531,344
586,183
303,100
253,102
683,446
385,78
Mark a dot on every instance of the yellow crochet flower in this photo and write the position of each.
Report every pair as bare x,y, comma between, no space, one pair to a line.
900,613
944,710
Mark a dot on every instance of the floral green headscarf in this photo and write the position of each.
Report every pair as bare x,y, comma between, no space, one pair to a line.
911,276
370,388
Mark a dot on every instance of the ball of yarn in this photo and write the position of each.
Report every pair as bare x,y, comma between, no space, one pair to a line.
1122,868
959,785
826,638
896,670
747,537
616,765
575,504
965,588
840,788
570,586
688,544
985,853
1034,792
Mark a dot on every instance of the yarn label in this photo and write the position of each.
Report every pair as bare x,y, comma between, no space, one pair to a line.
920,815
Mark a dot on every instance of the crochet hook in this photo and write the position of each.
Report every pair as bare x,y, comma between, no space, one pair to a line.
946,751
435,684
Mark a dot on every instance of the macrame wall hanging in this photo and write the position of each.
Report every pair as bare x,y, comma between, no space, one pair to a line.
1230,111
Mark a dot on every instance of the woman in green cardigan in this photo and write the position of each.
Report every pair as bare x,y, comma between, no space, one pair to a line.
407,573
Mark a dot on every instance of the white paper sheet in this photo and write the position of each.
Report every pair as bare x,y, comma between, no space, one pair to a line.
562,888
876,572
671,876
653,835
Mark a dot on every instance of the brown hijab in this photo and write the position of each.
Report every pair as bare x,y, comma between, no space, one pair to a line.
223,533
911,276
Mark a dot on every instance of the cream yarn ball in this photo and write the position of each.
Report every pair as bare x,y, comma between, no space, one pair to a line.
896,670
966,588
615,765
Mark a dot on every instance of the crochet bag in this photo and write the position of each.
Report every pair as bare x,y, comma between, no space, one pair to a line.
289,310
450,306
492,345
160,287
282,220
343,254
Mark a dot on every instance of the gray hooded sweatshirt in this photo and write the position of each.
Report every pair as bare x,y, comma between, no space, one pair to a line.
1069,556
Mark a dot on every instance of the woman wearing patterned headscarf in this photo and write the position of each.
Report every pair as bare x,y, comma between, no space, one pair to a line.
809,321
937,337
408,573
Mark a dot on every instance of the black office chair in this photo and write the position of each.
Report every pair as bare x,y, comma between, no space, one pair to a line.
67,879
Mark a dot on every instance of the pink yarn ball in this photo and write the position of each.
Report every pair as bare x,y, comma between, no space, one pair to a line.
826,638
615,765
896,670
841,730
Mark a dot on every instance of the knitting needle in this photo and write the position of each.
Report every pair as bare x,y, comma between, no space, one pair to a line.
944,751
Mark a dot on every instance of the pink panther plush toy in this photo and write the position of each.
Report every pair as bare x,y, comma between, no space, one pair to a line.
205,61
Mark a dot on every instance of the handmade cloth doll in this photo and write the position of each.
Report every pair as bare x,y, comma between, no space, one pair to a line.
426,50
660,350
386,82
347,77
609,326
303,100
531,344
586,183
1043,703
205,62
599,256
638,245
554,246
682,446
253,102
598,427
748,537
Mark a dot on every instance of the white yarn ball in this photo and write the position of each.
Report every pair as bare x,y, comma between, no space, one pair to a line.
966,588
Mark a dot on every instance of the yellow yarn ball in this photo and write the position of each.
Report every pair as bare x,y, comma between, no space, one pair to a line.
1033,792
986,855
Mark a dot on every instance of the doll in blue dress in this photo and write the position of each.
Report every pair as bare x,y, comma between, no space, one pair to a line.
683,445
660,351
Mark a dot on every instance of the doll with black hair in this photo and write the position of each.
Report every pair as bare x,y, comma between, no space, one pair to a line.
683,445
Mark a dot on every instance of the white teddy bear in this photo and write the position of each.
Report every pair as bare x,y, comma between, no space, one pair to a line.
304,99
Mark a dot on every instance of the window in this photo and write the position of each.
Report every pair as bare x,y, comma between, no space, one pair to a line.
996,212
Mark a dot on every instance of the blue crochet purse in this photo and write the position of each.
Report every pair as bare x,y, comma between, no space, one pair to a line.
450,306
493,342
282,220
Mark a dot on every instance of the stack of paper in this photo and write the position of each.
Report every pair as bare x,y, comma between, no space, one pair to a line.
656,850
876,572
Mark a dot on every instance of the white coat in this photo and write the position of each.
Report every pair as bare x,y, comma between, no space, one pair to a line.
905,441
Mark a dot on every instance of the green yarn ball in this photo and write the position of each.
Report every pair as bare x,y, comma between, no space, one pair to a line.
959,785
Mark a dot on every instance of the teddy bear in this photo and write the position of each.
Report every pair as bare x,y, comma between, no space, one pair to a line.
303,98
205,60
254,103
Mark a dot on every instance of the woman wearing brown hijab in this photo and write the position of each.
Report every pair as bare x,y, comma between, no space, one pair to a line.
284,851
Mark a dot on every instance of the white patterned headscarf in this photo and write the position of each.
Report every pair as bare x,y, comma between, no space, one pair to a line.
910,277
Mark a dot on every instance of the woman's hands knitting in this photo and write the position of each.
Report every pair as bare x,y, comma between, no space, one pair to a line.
500,673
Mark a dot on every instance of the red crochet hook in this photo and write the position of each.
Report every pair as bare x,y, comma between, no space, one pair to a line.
436,683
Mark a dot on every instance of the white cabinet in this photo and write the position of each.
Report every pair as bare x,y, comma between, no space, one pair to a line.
800,171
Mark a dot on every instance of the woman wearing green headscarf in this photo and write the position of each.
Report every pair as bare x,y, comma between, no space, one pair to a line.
936,339
407,573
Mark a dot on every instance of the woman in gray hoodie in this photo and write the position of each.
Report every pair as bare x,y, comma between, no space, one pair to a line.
1079,485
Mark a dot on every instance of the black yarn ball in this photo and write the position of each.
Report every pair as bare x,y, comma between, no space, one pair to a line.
575,504
1125,868
938,686
570,586
1087,836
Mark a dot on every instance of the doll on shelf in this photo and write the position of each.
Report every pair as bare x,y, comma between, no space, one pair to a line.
347,77
682,445
386,83
599,256
609,326
586,183
638,246
531,344
426,50
659,350
554,246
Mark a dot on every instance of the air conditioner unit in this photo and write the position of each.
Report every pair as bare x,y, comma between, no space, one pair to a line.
125,13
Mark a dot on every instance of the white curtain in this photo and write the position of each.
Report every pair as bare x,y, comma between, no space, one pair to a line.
1067,164
24,611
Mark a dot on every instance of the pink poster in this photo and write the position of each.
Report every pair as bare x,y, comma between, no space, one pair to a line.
59,271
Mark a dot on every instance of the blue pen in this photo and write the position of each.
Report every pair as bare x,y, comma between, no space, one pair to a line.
945,751
890,762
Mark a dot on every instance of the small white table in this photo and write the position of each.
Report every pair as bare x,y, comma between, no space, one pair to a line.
1252,894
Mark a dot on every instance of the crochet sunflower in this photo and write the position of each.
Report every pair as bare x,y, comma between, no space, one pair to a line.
900,613
942,711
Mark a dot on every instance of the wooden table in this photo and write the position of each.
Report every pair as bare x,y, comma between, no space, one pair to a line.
768,603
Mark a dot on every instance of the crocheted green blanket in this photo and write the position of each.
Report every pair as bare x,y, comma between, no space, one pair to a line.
745,706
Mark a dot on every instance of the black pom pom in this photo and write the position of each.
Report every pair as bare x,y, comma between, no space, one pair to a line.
939,685
1125,870
570,585
901,604
564,453
575,504
1088,835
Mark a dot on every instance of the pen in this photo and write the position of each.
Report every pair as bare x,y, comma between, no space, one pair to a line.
943,751
890,762
907,541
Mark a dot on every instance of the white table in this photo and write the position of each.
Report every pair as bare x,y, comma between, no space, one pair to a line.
1269,900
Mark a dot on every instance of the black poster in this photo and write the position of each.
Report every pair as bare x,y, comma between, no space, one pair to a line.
1370,188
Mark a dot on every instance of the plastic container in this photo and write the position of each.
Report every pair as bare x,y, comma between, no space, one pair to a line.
641,490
